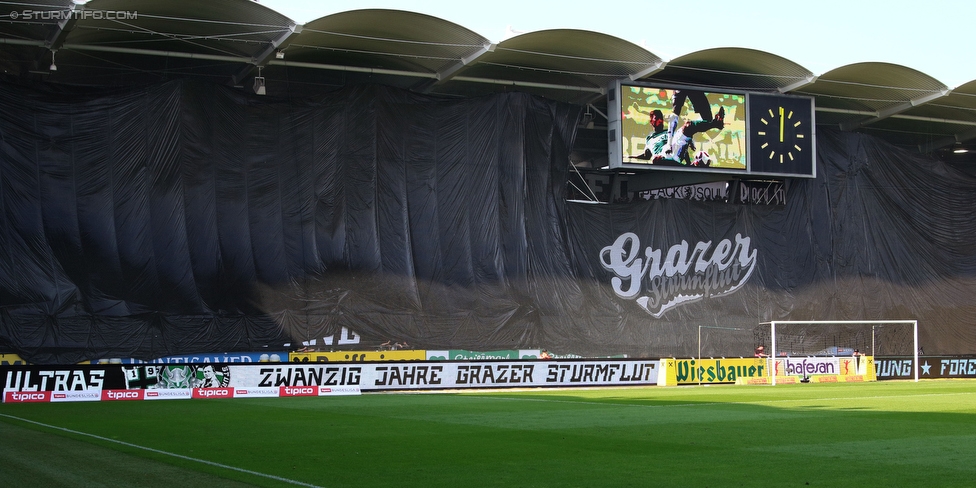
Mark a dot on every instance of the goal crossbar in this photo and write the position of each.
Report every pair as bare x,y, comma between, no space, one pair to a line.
772,333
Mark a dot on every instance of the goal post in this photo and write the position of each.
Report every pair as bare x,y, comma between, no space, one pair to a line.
856,325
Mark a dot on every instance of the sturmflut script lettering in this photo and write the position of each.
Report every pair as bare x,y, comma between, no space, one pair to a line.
682,275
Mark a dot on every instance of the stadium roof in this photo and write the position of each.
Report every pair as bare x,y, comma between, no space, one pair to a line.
120,42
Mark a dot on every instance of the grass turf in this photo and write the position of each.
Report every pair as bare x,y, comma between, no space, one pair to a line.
869,434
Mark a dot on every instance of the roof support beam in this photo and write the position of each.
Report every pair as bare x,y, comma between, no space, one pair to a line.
809,80
587,119
896,109
333,67
151,52
531,84
451,71
934,119
264,56
590,105
845,111
901,116
22,42
948,141
354,69
650,70
56,39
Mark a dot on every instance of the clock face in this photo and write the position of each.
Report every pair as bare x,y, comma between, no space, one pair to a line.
781,134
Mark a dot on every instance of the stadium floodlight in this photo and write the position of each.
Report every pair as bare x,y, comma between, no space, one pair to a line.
259,86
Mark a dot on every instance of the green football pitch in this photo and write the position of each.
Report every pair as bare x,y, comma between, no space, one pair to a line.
887,434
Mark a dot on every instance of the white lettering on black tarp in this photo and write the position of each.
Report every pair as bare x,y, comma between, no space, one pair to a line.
54,380
957,368
705,192
893,368
659,281
761,193
929,367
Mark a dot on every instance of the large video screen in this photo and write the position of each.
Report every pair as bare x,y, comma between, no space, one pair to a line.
690,129
682,128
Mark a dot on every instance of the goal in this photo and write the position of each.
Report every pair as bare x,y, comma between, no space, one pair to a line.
840,338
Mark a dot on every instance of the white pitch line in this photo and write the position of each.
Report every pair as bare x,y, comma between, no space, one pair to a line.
165,453
709,404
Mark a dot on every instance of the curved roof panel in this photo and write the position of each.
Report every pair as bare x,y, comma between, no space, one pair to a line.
384,39
872,86
863,95
220,27
112,42
586,54
25,26
572,65
731,67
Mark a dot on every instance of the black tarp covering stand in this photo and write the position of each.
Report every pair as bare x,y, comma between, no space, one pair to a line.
185,217
879,234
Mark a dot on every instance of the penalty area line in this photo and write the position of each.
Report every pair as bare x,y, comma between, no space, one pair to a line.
165,453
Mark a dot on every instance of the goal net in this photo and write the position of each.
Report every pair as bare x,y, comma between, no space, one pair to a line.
797,338
716,341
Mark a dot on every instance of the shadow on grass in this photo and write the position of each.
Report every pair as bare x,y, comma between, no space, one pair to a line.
810,435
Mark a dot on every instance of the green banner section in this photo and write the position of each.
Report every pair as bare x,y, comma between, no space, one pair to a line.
458,354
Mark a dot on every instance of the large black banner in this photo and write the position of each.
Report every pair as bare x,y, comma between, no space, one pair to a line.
186,218
903,368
